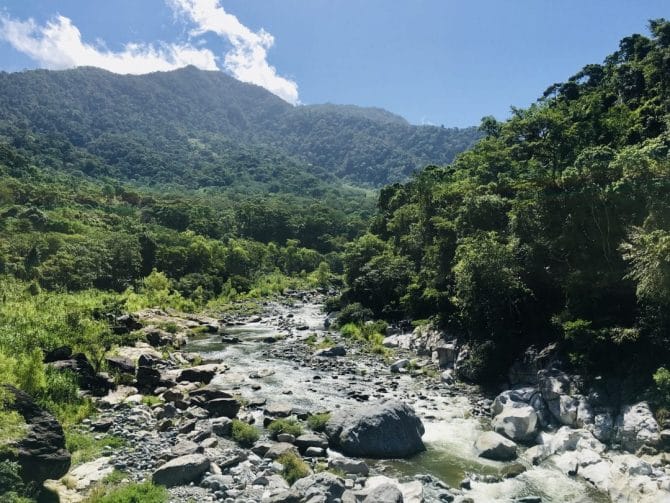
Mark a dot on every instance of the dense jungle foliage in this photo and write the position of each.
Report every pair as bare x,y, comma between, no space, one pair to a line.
205,129
554,228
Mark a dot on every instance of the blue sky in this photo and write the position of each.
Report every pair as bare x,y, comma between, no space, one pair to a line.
431,61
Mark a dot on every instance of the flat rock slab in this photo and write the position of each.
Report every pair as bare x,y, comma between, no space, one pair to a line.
181,470
90,473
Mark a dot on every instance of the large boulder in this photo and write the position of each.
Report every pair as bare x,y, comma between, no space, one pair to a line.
519,397
517,423
41,452
97,384
386,429
492,445
181,470
636,427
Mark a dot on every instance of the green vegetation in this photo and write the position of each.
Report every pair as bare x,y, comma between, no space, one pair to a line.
294,467
12,488
369,333
86,446
317,422
244,434
290,426
554,228
144,492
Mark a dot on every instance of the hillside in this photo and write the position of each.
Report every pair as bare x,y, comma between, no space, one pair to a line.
201,129
553,229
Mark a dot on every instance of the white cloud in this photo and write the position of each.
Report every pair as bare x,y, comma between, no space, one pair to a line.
58,45
247,60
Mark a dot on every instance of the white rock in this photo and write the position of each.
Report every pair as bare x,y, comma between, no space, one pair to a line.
89,473
517,423
636,427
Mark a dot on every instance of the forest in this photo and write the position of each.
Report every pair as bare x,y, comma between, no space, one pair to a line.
554,228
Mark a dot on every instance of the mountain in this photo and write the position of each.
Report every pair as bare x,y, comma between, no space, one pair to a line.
200,129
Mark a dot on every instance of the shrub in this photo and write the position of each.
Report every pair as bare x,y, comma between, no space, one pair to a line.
290,426
317,422
662,380
12,488
294,467
354,313
243,433
85,446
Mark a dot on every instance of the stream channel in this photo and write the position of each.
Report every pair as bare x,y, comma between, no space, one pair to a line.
285,371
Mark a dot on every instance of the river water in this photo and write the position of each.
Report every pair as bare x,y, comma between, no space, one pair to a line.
451,429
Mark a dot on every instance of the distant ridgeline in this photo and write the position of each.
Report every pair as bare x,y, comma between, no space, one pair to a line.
555,227
201,129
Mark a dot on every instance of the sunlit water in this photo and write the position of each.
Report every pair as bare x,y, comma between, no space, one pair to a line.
450,455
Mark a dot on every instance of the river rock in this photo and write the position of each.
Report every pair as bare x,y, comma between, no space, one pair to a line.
444,355
147,378
41,452
279,448
181,470
90,473
323,486
278,409
636,427
352,466
386,429
384,493
517,423
200,373
564,409
306,440
121,364
209,392
398,365
331,352
519,397
494,446
226,407
553,383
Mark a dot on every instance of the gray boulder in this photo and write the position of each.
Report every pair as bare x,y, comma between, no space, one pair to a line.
384,493
322,487
347,465
517,423
181,470
492,445
386,429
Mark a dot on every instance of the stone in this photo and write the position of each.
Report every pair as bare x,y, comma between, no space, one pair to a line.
636,427
323,486
365,431
315,452
209,392
603,426
181,470
222,407
553,383
494,446
58,354
286,437
564,409
200,373
148,378
517,423
279,448
184,448
87,474
398,365
41,453
121,364
278,409
306,440
444,355
519,397
222,426
331,352
347,465
384,493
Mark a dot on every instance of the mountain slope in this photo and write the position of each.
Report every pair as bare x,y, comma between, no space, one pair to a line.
199,128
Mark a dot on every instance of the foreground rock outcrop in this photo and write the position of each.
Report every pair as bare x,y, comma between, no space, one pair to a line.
41,453
386,429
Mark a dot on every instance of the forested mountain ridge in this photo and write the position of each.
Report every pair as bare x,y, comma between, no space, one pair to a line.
554,228
199,128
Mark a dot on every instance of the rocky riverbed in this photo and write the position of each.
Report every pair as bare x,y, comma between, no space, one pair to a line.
400,429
